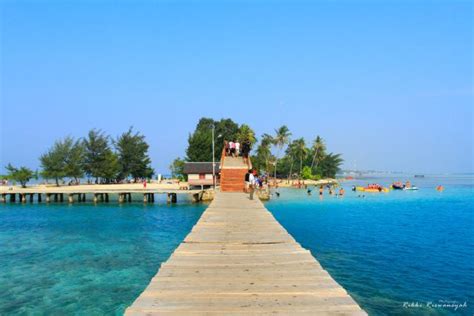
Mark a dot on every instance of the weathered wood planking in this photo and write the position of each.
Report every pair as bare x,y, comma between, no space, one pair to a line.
239,260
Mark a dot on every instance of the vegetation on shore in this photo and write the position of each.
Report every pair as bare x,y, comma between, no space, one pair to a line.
96,156
200,142
276,155
20,174
109,160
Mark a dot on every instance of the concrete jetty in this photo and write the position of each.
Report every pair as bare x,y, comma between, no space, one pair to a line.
100,193
239,260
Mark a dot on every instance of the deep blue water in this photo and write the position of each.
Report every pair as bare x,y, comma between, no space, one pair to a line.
84,259
387,249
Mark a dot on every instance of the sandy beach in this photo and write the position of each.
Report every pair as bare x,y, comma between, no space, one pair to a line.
127,187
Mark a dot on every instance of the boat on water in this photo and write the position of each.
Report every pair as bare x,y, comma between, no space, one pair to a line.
419,175
373,189
398,186
410,189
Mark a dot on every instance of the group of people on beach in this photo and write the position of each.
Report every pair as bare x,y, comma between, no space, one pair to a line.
235,149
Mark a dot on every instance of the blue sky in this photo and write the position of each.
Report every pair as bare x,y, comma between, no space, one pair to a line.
387,84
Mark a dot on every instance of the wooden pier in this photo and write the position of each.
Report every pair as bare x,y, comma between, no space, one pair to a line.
99,195
239,260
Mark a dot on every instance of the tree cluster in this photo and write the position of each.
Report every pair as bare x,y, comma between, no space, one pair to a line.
21,174
200,141
98,156
277,154
286,158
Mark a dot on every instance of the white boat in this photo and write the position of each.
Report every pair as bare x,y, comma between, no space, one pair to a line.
410,189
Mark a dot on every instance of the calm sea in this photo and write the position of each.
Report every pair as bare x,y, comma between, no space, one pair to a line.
397,253
387,250
85,259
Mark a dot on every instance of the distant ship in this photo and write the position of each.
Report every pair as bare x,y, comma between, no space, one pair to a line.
419,175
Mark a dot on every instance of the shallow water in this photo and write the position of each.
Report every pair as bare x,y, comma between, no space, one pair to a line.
84,259
394,248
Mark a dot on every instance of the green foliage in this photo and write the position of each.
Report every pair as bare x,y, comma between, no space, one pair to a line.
314,162
318,152
99,159
301,151
306,173
263,154
22,174
245,133
74,159
288,161
330,165
133,159
111,166
200,141
53,162
177,168
282,137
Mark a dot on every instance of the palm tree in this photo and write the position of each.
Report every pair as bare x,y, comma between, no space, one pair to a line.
282,137
291,153
264,149
245,133
319,149
301,150
330,165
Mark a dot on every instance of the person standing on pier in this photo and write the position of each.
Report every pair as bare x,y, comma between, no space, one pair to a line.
245,151
144,183
252,183
237,148
232,148
247,181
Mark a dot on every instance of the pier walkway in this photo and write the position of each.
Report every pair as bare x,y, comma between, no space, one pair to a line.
239,260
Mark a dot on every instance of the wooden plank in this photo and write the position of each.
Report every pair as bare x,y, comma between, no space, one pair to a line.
238,259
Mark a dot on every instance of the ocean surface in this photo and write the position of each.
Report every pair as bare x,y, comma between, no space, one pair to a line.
397,253
394,252
85,259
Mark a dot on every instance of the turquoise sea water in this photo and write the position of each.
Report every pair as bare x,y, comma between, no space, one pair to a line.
389,249
385,249
84,259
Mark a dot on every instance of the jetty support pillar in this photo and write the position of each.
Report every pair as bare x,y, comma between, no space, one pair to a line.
172,198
